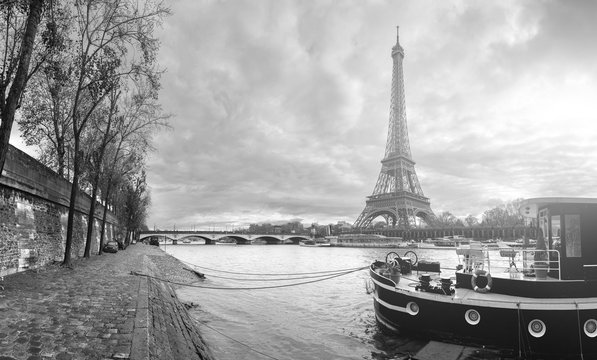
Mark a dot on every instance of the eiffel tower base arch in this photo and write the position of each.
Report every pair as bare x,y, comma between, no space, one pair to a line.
409,215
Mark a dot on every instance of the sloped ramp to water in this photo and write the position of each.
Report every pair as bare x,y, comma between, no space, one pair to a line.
436,350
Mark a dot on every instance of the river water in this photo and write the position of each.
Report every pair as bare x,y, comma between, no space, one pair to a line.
331,319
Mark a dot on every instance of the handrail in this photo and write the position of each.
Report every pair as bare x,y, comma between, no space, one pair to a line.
472,260
529,255
476,258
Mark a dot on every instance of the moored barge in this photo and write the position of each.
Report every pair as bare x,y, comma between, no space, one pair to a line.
543,306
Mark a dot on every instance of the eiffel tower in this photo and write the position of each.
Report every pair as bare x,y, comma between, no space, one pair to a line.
397,196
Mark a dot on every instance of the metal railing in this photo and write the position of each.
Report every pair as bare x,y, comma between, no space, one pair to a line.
537,262
533,261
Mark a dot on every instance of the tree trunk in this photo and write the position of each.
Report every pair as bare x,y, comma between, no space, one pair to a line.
91,217
102,230
71,218
71,208
60,152
7,113
101,244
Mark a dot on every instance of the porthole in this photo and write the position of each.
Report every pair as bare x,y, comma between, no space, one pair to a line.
591,328
472,317
537,328
412,308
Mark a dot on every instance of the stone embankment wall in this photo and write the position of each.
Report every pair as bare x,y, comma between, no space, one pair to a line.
172,333
33,215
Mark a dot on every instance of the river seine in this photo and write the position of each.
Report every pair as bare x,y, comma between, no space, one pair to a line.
330,319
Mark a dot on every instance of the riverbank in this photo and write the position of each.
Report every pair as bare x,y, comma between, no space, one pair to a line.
100,310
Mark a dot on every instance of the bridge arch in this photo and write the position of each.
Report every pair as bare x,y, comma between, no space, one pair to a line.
240,240
267,239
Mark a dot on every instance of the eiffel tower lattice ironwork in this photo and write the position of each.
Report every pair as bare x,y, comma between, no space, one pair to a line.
397,196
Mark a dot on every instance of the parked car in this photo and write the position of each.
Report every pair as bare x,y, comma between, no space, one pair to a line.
111,247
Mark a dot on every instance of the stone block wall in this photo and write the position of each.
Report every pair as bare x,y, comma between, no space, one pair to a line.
9,248
33,216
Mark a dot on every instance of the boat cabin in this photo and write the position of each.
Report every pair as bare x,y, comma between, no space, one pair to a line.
569,226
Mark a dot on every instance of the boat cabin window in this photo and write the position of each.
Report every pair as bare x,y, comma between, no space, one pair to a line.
555,233
552,228
572,226
544,224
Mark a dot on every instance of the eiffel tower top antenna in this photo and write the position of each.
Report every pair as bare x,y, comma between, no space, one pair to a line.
397,48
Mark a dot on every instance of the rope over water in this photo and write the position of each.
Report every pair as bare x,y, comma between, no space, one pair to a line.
323,275
237,341
273,274
294,276
248,288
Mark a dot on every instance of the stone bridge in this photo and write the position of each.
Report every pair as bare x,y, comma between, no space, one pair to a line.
208,237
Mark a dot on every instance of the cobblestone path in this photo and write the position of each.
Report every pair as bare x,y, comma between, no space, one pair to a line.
97,310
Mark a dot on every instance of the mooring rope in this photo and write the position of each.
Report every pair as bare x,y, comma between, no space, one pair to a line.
519,330
247,288
582,356
239,342
268,279
272,274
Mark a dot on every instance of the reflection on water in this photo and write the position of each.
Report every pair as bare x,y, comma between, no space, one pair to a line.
331,319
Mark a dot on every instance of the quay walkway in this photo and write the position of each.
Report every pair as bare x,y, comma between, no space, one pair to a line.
99,310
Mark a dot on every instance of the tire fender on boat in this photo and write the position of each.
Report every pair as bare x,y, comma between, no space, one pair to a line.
487,287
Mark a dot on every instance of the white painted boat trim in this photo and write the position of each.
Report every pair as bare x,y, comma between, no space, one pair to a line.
389,306
385,323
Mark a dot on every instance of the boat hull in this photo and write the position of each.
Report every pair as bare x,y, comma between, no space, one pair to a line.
314,244
509,326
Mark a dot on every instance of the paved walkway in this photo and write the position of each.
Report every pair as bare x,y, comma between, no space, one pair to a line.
99,311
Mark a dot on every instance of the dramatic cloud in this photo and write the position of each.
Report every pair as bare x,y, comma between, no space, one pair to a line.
281,107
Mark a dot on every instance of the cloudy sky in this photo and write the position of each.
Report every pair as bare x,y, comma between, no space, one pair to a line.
281,107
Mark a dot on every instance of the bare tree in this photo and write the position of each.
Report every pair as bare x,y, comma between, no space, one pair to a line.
136,200
96,160
114,41
504,215
141,115
46,120
115,175
471,221
447,219
18,31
